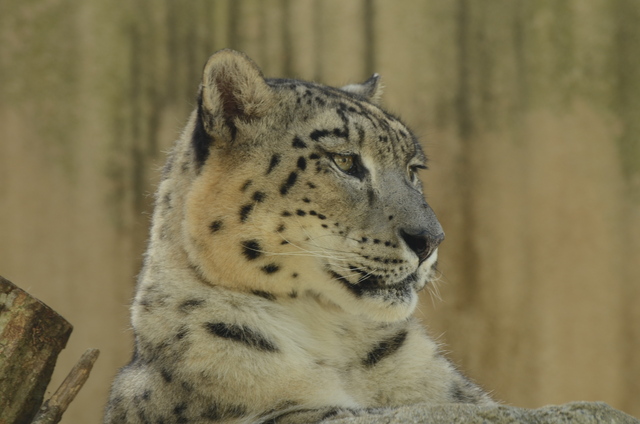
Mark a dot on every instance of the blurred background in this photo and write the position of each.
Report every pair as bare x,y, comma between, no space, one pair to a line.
528,110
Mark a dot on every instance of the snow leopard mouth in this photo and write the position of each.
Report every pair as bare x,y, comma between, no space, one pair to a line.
369,285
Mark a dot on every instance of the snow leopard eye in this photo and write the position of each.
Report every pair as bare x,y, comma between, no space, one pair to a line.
346,163
413,172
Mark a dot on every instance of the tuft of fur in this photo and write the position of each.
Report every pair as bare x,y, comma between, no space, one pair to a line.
289,241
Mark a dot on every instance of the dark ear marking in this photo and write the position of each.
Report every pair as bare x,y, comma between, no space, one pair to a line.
201,140
233,89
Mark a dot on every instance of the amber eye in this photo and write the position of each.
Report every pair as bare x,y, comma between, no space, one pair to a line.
413,172
344,162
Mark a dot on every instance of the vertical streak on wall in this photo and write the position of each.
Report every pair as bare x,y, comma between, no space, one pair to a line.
465,127
233,19
318,40
287,58
369,17
626,103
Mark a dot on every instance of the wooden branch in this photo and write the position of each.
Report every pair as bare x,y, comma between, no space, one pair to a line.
31,337
52,410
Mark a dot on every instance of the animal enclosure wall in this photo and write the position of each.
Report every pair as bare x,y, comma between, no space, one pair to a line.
528,110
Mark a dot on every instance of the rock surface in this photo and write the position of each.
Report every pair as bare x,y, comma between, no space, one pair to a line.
574,413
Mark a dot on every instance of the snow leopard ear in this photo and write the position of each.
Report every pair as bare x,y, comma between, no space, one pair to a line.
371,89
233,90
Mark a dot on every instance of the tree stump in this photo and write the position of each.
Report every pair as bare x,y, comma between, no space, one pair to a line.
31,337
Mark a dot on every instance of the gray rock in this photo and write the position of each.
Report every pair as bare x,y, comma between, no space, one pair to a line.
573,413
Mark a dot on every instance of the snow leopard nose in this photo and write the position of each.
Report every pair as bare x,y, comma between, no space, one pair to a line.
422,242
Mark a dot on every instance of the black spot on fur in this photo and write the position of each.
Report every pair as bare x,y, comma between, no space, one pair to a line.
259,196
245,211
320,216
182,333
298,144
290,181
275,160
286,213
341,133
180,408
166,170
246,185
241,334
311,185
302,163
166,375
215,226
264,294
190,304
330,414
281,228
371,196
300,212
270,268
385,349
251,249
462,392
314,156
217,412
318,134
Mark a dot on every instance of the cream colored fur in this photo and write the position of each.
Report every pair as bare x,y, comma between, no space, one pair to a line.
277,286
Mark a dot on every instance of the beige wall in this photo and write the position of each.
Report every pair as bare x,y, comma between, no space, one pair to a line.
529,110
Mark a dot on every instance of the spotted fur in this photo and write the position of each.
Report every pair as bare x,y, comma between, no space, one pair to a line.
289,241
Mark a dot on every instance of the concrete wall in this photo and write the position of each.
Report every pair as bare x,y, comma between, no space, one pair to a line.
529,111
